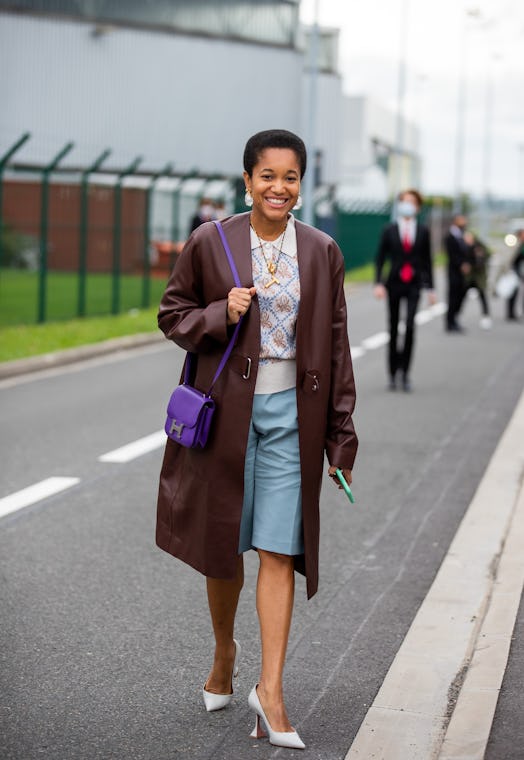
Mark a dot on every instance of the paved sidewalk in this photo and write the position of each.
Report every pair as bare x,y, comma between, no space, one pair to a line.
440,695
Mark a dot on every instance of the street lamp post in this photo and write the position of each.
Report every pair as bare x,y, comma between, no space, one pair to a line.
488,147
473,13
398,151
520,177
309,179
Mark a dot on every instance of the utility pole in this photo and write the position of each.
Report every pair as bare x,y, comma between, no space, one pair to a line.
309,179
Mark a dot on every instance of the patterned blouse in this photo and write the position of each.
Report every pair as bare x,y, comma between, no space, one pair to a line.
278,302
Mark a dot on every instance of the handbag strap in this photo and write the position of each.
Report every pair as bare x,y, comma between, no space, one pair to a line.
232,340
228,253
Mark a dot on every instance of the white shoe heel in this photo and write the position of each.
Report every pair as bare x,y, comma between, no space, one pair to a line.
214,701
289,739
258,732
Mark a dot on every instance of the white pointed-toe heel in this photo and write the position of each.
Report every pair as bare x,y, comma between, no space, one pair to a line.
219,701
289,739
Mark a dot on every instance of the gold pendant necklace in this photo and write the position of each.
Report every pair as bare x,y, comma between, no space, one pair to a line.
271,265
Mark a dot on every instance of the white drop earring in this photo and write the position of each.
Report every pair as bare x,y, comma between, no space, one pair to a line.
298,204
248,199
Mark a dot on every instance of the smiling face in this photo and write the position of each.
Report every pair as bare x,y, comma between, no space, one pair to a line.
274,186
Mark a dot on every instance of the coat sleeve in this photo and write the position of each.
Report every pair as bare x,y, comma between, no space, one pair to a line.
184,316
426,273
341,439
382,254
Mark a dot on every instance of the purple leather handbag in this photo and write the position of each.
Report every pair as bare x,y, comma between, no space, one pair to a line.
190,412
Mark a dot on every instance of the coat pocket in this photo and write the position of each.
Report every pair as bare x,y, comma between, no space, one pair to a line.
311,381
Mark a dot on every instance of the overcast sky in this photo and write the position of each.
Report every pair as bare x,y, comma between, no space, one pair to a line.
438,36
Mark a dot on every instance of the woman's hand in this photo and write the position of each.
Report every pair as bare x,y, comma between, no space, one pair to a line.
379,291
238,302
432,297
346,473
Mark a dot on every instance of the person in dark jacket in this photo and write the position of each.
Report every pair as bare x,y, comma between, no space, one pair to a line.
459,267
478,258
406,245
206,212
518,265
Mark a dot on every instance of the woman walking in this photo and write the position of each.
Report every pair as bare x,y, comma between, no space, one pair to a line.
286,396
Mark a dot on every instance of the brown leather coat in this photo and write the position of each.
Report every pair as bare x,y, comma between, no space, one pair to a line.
201,491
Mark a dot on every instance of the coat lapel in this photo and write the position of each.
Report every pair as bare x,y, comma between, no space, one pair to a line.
397,242
307,269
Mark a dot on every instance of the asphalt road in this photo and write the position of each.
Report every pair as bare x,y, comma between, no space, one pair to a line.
105,641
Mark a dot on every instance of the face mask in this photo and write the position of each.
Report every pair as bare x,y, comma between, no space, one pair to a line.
206,210
406,208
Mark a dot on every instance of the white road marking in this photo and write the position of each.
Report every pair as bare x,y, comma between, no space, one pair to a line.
423,317
135,449
34,493
381,338
138,448
375,341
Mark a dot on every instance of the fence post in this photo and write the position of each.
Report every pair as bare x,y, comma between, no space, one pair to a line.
44,214
3,163
146,278
82,264
117,233
175,234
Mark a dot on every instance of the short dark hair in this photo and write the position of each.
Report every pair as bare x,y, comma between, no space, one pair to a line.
274,138
415,193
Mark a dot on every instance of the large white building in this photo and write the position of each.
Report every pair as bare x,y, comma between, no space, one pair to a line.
185,81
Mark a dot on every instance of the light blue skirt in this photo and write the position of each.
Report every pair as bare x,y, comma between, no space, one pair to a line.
272,508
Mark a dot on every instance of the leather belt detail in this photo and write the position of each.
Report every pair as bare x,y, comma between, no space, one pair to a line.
241,365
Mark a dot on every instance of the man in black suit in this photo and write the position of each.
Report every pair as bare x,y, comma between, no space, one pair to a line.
406,245
459,266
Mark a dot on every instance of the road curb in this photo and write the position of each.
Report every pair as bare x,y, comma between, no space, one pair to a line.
70,355
442,682
10,369
469,729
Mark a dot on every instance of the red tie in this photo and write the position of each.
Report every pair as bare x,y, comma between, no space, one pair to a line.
406,271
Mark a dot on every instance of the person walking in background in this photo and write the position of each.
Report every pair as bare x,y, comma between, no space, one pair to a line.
220,210
478,259
206,213
285,398
458,268
405,244
517,265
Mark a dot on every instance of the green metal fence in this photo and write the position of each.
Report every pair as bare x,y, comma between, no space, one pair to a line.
78,241
85,241
358,234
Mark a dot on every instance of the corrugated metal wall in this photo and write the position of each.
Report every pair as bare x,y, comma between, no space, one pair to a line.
166,97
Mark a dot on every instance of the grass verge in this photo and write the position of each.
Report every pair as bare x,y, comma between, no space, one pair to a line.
30,340
22,341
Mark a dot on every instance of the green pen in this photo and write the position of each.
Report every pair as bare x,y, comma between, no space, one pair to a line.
344,484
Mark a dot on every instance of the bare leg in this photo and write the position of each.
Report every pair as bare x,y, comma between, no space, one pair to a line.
275,595
223,597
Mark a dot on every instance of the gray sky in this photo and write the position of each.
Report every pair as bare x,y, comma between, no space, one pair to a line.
438,36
